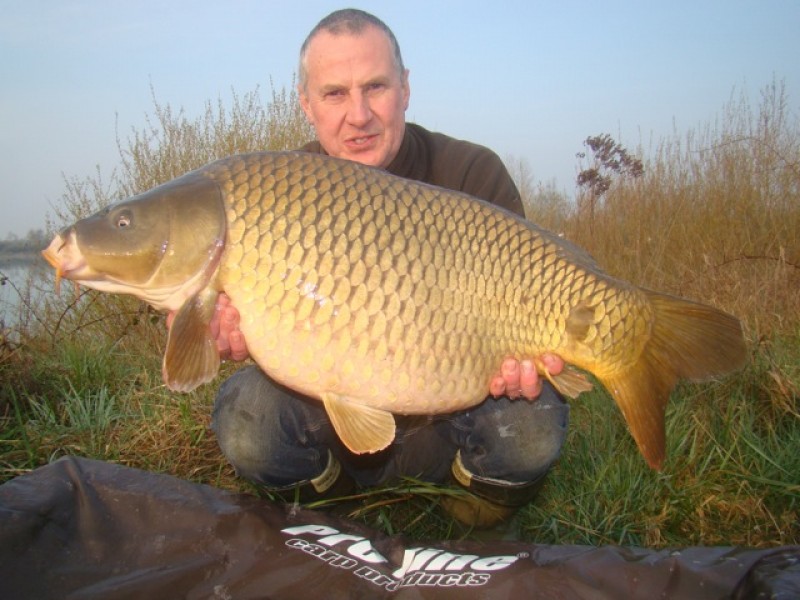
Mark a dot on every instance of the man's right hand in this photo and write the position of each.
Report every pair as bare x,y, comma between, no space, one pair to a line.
225,329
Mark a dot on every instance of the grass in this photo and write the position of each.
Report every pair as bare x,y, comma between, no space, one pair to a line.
725,481
715,217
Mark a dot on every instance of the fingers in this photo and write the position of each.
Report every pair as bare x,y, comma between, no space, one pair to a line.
497,386
238,346
516,379
530,386
553,363
510,372
506,382
225,329
521,378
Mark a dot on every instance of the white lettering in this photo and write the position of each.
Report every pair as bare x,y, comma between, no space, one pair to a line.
414,559
332,540
375,577
366,552
315,529
362,549
420,566
456,562
494,563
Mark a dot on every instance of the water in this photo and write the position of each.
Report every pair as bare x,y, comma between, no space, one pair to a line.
20,281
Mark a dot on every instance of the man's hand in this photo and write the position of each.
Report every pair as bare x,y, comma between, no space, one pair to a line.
520,378
225,329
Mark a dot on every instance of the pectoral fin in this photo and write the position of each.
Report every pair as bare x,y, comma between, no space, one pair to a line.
363,429
191,358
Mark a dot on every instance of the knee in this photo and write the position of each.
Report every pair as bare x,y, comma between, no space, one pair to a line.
516,440
271,435
244,421
543,434
243,405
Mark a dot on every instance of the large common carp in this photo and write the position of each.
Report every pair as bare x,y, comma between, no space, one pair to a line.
380,295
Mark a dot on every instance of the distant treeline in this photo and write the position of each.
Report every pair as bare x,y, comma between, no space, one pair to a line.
22,250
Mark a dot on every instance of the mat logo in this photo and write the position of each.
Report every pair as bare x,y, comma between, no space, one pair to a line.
420,566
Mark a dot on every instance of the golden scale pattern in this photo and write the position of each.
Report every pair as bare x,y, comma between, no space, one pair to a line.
346,270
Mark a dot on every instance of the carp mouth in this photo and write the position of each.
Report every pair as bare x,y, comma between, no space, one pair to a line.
65,257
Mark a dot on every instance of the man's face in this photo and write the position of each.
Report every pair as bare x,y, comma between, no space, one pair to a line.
355,97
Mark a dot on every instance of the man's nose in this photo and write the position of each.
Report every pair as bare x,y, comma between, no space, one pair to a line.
359,112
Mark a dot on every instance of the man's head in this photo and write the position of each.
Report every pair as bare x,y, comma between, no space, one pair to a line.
354,87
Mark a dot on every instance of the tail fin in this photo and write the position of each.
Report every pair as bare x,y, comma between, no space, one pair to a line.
688,341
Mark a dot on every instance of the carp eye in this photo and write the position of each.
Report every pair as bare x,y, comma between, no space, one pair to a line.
123,220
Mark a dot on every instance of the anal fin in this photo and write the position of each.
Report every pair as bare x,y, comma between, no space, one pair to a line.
570,382
363,429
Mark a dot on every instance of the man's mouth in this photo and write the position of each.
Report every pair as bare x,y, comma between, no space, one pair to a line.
361,140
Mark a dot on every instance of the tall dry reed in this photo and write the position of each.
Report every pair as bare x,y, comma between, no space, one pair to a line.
715,217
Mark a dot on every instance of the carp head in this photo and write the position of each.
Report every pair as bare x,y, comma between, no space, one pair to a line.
162,246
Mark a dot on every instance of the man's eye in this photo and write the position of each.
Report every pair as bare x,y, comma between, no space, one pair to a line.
375,87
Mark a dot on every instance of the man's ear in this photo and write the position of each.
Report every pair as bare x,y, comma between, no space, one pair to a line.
406,89
304,103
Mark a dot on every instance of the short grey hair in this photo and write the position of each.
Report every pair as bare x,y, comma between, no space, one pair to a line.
350,21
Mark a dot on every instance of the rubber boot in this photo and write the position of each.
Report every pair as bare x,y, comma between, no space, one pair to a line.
333,482
488,502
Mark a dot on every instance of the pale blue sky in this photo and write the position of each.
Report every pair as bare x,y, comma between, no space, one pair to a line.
530,79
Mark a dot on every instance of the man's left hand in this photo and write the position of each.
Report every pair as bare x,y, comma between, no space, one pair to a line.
521,379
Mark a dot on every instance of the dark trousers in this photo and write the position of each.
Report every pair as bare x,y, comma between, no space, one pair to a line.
278,438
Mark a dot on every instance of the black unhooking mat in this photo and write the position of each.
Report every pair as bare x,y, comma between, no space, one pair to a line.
86,529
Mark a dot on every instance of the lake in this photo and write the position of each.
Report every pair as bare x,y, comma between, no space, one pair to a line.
14,280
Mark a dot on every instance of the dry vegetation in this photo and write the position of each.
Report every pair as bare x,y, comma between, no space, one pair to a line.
714,216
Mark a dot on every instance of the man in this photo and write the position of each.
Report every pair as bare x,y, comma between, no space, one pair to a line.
354,89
